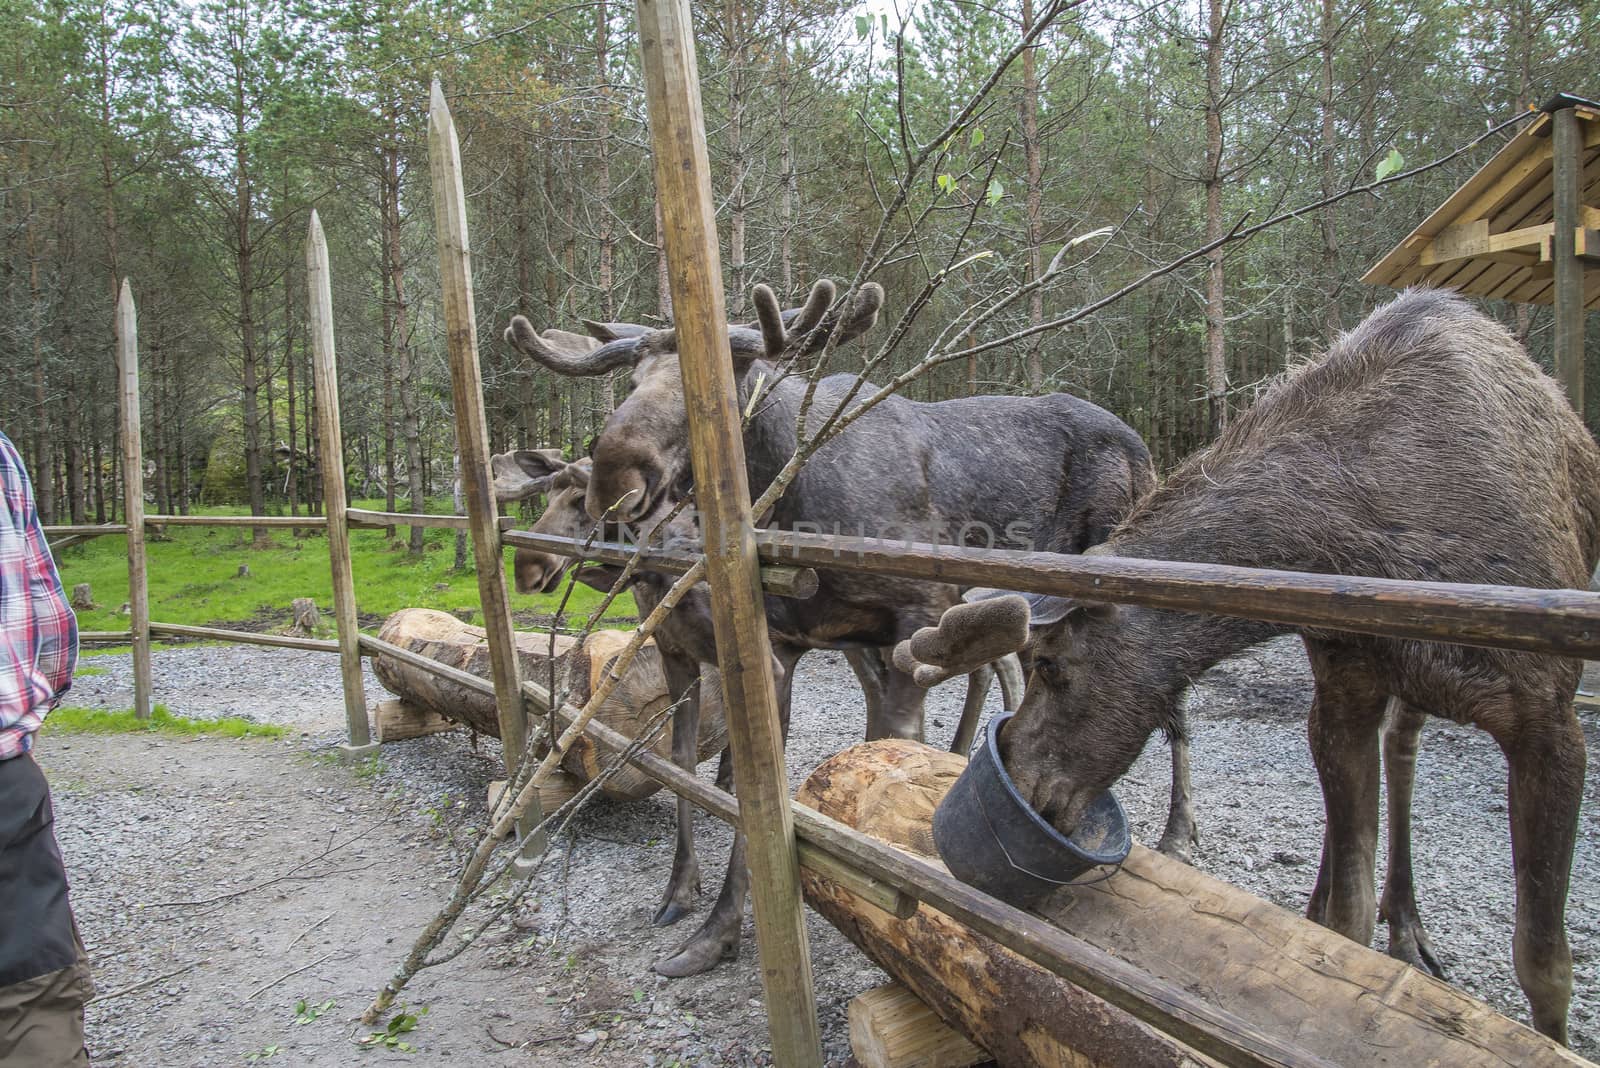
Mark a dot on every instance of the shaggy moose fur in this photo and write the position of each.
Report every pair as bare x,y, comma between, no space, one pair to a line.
1056,470
1426,446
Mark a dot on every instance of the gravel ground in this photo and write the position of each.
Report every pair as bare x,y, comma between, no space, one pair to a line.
144,821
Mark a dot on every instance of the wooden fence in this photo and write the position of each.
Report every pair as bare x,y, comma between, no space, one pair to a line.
744,561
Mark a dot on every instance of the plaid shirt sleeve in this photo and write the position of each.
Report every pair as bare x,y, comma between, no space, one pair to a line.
38,632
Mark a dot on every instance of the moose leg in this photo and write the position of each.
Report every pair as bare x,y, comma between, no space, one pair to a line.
1013,684
871,670
717,939
978,684
902,709
683,683
1180,835
1398,905
1345,718
1547,760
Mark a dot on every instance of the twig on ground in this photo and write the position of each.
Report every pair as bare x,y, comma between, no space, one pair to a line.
308,930
264,987
292,873
136,987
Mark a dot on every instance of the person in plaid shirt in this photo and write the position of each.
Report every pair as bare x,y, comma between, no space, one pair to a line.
44,973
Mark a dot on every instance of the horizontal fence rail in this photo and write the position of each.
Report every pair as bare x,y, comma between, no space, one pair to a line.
101,637
246,637
84,530
1564,622
781,580
365,519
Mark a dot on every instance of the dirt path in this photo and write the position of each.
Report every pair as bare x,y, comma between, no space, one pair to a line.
146,820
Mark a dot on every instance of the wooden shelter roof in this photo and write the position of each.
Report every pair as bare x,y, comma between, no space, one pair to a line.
1492,238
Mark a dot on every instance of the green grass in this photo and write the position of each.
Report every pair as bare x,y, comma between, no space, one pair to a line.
193,577
86,671
72,720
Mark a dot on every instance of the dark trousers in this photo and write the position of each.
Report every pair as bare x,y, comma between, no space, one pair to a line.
44,974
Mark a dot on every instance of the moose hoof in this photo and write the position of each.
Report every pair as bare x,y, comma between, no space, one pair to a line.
1410,944
1179,845
670,912
697,956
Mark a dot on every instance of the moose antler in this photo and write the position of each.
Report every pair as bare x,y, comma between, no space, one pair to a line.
967,637
780,329
524,472
569,354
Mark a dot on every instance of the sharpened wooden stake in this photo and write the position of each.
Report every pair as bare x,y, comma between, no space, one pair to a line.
133,496
325,371
683,183
1566,179
472,438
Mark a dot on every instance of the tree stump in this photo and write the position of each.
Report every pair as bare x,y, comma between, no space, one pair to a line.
82,599
306,618
243,572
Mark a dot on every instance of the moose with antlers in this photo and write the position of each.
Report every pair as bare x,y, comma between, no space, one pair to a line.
1059,468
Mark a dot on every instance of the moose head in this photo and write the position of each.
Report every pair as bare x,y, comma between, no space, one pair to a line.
641,458
1093,698
527,472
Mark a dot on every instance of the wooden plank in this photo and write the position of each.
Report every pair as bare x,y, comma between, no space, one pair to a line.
133,496
683,186
245,637
395,720
364,519
472,437
1565,622
1474,239
85,530
1567,195
330,439
1177,928
235,521
101,636
780,580
890,1027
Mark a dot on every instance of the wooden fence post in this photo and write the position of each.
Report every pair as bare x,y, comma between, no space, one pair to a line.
133,496
472,438
683,182
1566,178
325,371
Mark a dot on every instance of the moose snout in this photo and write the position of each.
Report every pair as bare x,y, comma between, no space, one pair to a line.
536,572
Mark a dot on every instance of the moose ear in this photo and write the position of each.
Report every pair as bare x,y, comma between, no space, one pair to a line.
604,332
525,472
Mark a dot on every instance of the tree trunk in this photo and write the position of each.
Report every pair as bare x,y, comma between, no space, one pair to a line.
1216,342
603,190
1331,319
1034,199
734,28
244,255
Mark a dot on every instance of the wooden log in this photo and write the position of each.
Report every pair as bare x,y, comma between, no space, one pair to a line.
637,700
556,791
890,1027
1279,973
396,720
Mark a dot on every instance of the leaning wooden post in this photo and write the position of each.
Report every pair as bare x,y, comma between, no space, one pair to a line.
1567,193
472,438
683,184
133,499
325,373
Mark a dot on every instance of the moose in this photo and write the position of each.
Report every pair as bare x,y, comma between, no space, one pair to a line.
1057,466
1425,445
687,641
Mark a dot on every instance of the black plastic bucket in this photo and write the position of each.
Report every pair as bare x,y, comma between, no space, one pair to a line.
991,839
